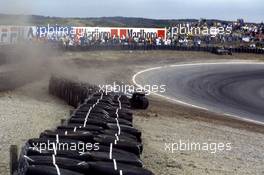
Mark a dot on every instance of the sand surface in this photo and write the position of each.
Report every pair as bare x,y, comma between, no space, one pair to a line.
25,113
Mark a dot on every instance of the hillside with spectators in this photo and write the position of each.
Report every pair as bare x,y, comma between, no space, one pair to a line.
189,33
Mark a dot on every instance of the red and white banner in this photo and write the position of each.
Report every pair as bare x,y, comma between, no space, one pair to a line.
110,32
13,34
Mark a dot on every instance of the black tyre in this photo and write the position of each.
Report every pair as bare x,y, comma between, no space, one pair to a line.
95,122
87,128
122,158
100,119
62,162
139,101
82,136
105,168
125,128
47,170
123,133
132,147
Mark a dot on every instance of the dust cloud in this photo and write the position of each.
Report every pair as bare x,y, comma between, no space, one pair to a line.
27,62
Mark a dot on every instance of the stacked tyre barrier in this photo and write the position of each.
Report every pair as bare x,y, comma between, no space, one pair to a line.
71,92
102,124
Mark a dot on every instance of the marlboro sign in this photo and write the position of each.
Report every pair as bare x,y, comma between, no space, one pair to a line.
101,32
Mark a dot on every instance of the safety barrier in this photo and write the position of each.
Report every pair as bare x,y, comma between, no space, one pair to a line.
71,92
102,122
145,47
161,47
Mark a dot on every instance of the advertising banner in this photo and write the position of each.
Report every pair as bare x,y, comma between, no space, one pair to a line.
112,32
13,34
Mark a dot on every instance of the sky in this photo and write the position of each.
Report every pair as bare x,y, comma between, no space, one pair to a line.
250,10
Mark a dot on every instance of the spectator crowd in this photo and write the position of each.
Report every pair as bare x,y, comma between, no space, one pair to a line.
242,35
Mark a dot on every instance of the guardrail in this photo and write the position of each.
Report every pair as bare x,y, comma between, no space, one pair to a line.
96,47
160,47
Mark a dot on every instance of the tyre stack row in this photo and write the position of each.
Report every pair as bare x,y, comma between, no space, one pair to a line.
72,92
98,139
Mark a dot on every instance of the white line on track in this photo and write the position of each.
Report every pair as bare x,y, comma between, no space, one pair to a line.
189,104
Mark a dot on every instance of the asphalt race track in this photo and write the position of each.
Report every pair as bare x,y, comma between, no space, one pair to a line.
233,89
